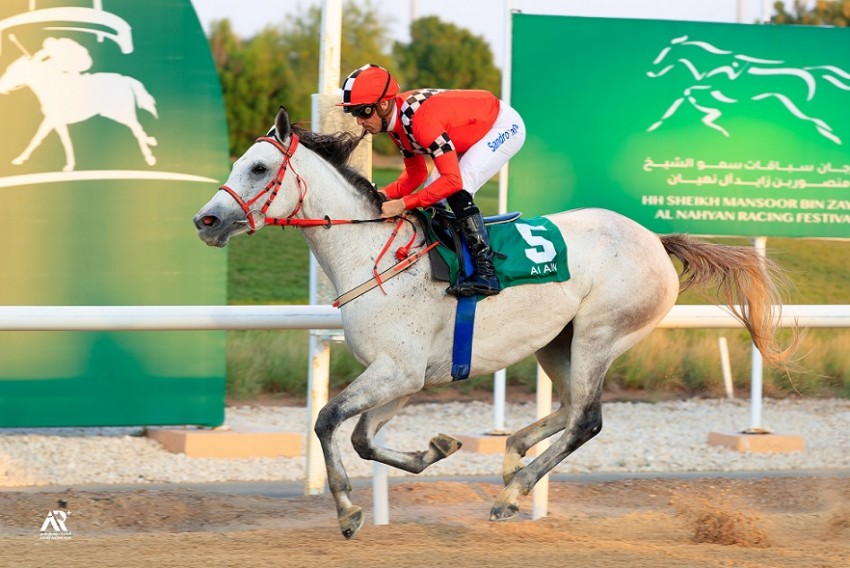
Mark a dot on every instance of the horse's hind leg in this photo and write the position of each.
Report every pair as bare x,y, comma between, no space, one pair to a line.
583,421
555,361
440,446
144,141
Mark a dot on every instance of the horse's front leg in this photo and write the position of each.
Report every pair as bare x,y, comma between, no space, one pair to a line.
45,128
383,381
65,138
439,447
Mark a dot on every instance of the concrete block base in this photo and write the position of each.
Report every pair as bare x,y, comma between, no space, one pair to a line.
760,442
225,443
482,443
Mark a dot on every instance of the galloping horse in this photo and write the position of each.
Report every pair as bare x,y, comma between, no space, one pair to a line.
68,96
623,283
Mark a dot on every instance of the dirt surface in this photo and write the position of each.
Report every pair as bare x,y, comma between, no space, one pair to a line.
772,522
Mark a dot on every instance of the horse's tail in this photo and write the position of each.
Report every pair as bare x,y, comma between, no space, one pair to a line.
745,281
144,100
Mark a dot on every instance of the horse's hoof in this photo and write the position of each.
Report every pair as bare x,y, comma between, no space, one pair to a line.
152,141
352,522
150,160
18,162
445,445
504,512
68,168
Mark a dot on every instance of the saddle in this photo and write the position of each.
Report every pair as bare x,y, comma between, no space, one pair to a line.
441,225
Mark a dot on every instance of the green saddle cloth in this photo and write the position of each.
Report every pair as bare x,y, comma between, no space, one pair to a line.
528,251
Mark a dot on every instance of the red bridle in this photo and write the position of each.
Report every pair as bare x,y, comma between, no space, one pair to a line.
257,217
273,187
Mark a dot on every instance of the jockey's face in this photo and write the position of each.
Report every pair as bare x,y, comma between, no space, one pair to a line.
373,124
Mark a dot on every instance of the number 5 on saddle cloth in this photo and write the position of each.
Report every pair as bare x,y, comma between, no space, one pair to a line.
526,251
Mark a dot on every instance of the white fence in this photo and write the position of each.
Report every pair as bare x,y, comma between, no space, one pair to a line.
184,318
176,318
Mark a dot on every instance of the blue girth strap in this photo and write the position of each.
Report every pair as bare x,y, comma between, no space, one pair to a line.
464,322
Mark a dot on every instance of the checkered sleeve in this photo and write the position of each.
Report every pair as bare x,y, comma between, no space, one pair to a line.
441,145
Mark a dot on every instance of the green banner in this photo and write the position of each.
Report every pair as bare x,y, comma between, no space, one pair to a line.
713,129
114,133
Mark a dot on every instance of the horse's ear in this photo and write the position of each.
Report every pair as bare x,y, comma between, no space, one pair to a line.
281,124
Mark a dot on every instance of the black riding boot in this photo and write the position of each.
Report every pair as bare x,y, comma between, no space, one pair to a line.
483,279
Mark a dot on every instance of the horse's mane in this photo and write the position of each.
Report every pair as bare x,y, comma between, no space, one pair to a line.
336,149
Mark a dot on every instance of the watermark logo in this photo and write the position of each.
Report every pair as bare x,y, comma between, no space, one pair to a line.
54,526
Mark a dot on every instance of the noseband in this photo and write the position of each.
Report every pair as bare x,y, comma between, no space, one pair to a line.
256,218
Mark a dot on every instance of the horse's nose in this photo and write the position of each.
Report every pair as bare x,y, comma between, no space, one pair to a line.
206,221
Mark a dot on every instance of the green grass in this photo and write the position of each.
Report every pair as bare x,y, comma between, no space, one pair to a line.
271,267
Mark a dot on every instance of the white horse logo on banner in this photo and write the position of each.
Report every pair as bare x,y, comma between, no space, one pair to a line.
57,76
722,77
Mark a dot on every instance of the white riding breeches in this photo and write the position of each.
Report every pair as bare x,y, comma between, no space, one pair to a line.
486,157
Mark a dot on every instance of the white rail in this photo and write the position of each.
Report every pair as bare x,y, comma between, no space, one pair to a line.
705,317
166,318
177,318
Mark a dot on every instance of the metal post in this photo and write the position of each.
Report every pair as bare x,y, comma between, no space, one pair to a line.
380,487
540,493
760,244
726,367
499,378
319,373
331,46
499,404
317,379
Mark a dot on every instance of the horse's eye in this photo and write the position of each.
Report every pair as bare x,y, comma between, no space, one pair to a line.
259,169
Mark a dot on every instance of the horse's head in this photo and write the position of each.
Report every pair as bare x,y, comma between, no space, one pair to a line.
665,61
258,187
699,58
17,75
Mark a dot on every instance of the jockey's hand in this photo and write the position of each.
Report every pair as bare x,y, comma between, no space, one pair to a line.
392,208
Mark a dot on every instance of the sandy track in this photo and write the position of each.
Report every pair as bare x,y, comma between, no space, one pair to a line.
772,522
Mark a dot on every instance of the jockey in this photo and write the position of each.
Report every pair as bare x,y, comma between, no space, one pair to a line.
469,134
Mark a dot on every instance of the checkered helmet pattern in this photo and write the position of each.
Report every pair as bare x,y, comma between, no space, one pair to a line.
368,85
411,104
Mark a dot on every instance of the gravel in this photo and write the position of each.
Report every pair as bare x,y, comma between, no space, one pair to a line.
636,437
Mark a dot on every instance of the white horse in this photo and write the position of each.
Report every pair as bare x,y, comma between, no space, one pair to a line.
623,283
69,98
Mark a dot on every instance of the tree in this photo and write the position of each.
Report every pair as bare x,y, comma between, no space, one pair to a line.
228,54
364,40
823,13
280,66
442,55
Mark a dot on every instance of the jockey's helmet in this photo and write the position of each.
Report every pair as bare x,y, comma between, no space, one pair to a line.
368,85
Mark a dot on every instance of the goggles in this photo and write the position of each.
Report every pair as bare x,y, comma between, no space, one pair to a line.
360,111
